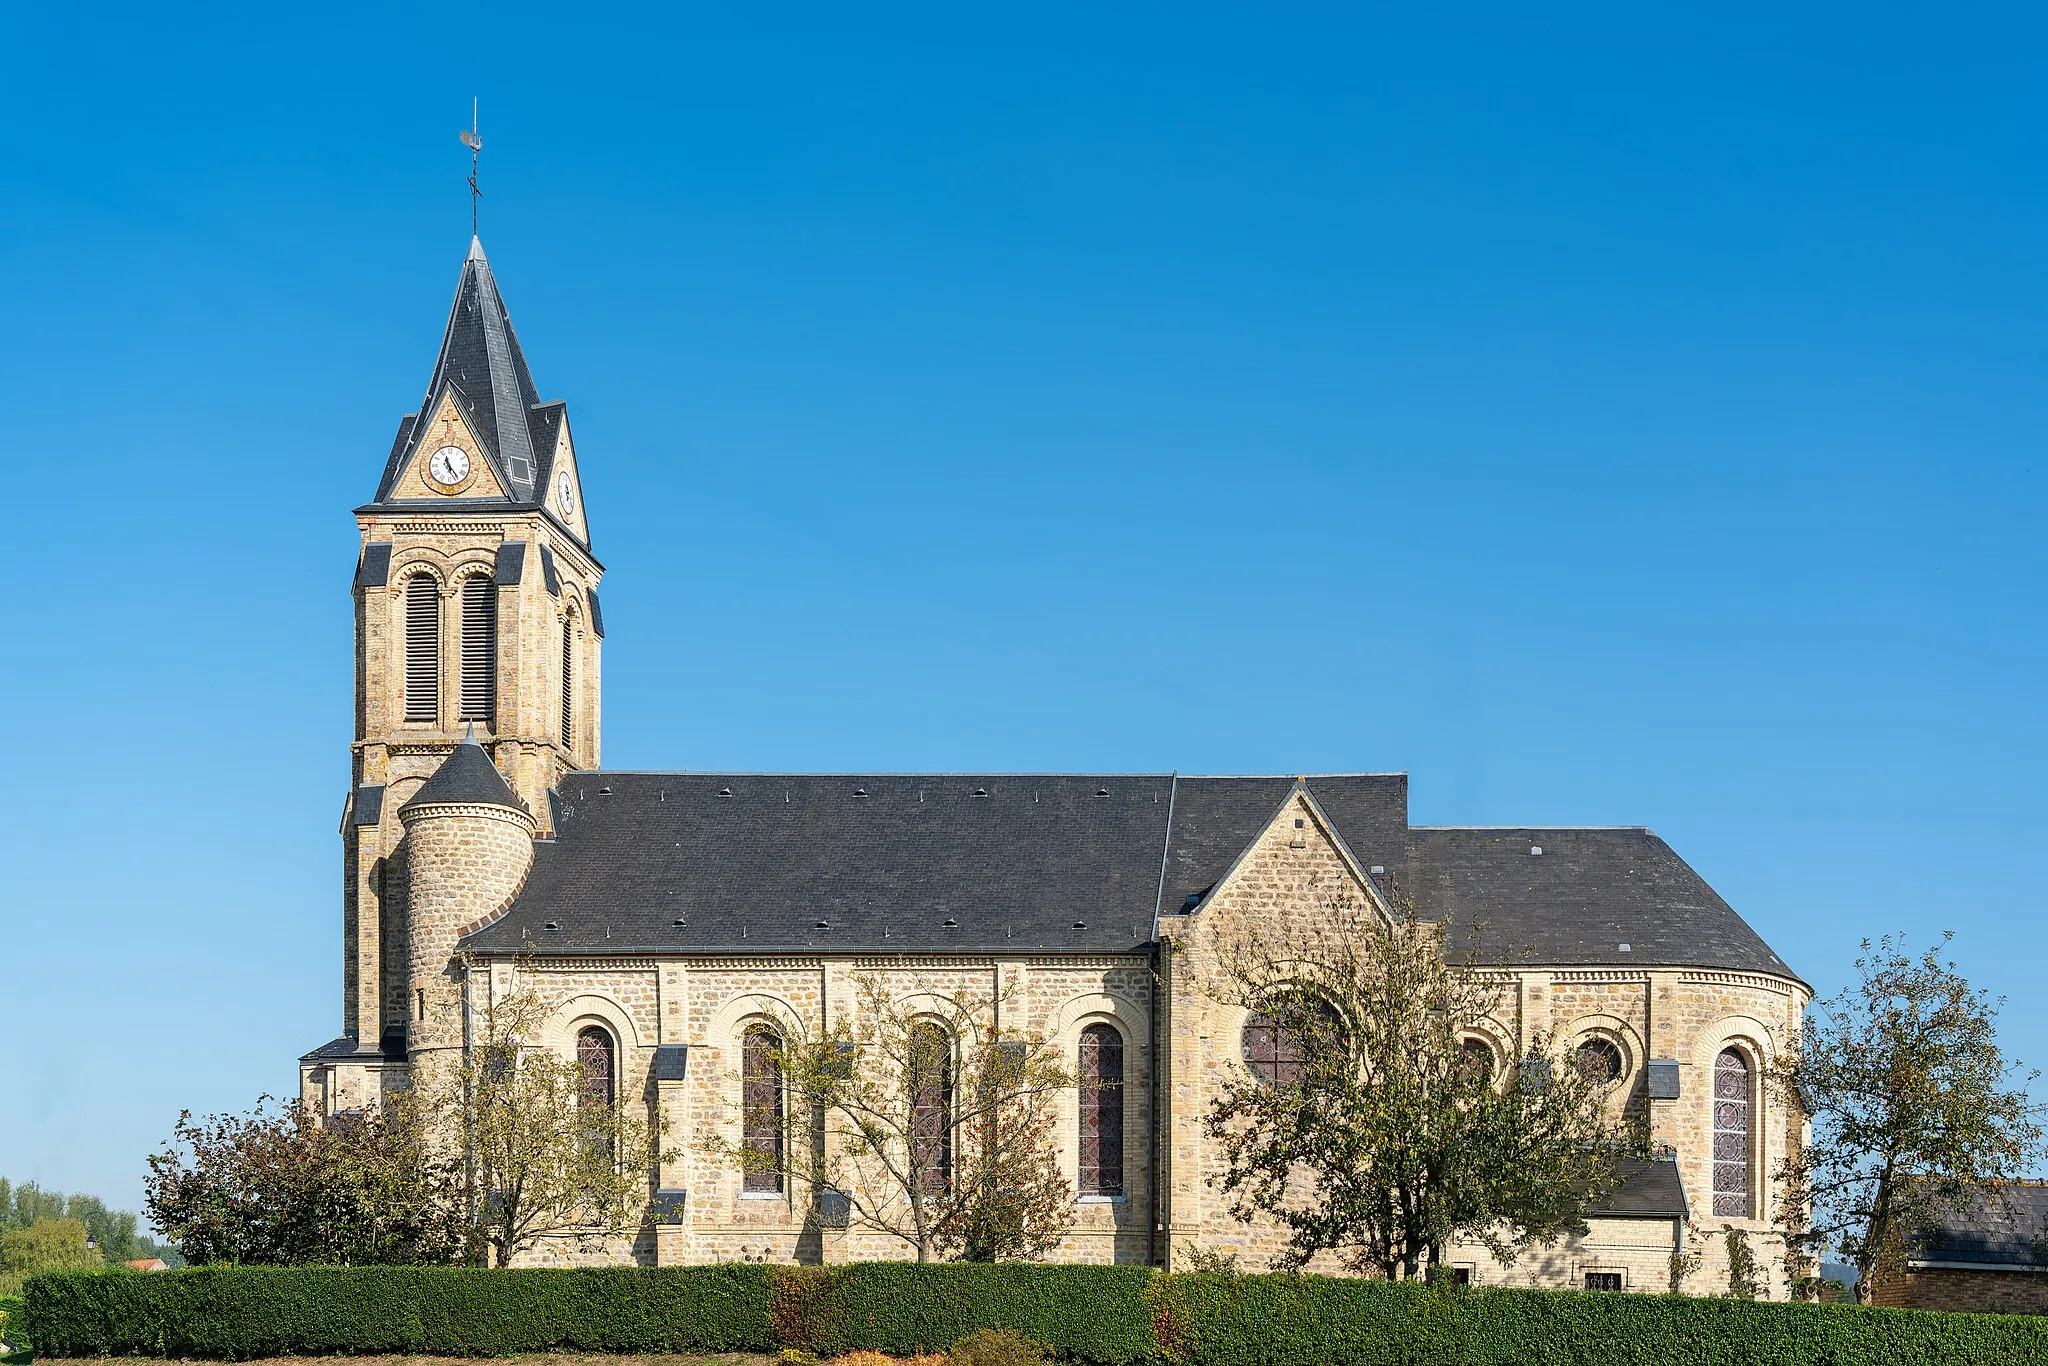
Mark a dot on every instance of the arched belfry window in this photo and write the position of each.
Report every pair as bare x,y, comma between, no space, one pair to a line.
597,1056
479,649
1102,1111
761,1119
1731,1135
930,1066
568,681
422,648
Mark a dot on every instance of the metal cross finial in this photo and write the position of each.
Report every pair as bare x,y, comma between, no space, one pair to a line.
475,144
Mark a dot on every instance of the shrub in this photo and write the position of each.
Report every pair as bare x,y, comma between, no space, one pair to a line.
1114,1316
997,1347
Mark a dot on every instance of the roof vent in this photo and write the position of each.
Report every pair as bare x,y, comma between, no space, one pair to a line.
1377,869
981,792
860,792
725,792
680,922
821,924
1535,849
604,792
950,923
1102,792
1624,948
552,925
1080,924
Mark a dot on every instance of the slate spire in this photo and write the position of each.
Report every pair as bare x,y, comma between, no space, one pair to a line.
482,365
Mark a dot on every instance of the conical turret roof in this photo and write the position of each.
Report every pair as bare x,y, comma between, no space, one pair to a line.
483,367
467,777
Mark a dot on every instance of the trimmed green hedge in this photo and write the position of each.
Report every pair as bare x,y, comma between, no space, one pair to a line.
1110,1315
1313,1320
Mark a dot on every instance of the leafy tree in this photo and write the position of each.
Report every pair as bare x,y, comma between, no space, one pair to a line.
1913,1105
928,1121
548,1156
45,1245
113,1232
277,1186
1382,1128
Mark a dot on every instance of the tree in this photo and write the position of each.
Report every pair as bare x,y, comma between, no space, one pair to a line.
277,1186
1375,1123
924,1120
45,1245
1912,1105
553,1151
112,1231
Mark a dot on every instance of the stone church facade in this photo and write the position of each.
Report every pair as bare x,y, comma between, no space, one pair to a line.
664,916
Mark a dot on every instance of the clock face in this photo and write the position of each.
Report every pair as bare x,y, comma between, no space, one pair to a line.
449,465
565,493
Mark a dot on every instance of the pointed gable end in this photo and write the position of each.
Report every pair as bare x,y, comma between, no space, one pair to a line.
1297,865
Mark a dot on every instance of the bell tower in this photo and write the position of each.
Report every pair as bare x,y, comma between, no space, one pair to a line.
476,613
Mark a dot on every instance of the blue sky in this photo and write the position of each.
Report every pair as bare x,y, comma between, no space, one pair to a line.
1606,415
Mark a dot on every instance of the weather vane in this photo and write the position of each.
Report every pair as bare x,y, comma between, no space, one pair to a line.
475,144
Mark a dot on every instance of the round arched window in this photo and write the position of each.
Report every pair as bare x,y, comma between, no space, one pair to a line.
1731,1135
1600,1061
596,1056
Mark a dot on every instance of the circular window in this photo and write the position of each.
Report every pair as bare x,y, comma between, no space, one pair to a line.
1475,1059
1599,1061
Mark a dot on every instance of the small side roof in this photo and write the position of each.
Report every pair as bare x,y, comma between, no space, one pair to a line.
2001,1226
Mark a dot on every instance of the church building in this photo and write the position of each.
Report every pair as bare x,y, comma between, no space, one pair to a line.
669,918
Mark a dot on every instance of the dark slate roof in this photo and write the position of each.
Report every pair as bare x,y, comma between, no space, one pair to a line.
482,364
752,861
1589,892
1649,1190
2001,1225
467,776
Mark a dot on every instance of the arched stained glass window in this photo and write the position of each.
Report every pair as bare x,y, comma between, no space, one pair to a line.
931,1119
761,1120
1102,1111
597,1057
1731,1135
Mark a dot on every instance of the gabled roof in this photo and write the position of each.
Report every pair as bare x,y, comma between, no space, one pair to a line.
466,777
1063,862
482,366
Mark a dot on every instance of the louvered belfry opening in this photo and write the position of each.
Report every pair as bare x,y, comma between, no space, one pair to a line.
422,649
479,650
568,681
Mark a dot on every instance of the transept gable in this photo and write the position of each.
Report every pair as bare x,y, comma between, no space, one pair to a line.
1297,869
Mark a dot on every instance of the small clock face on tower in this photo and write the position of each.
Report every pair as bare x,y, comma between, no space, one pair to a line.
448,469
565,493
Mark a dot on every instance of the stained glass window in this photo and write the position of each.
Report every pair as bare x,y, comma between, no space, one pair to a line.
761,1133
1731,1135
931,1118
594,1054
1276,1053
1102,1111
1599,1061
